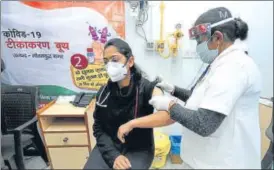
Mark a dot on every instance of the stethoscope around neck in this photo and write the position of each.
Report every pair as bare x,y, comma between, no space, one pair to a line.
107,95
101,103
99,98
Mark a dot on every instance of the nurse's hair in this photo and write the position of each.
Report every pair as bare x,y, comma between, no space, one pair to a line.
231,30
124,48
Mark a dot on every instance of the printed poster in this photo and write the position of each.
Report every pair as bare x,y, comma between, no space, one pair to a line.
58,46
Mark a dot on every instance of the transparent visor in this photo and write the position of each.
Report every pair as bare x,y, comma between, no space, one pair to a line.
204,29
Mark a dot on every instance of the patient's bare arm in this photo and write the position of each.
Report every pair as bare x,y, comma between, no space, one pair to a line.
167,120
158,119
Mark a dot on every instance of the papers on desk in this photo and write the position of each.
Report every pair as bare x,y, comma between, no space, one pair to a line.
65,99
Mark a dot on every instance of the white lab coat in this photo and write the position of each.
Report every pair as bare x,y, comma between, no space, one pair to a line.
232,87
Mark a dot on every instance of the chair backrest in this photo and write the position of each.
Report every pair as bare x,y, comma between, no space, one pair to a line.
2,65
18,105
269,131
272,120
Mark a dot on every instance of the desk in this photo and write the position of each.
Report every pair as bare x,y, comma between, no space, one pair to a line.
68,135
265,119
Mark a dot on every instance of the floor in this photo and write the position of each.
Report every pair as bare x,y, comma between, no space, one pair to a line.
35,162
168,165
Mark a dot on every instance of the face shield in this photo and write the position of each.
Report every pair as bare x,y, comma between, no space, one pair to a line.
202,32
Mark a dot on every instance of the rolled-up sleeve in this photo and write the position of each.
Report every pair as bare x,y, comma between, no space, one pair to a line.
228,82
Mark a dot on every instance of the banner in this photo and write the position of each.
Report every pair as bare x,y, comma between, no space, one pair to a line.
58,46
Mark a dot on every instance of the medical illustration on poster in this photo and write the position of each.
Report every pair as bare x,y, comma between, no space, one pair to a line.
44,43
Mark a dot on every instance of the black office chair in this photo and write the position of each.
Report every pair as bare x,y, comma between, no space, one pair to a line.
267,162
3,166
18,124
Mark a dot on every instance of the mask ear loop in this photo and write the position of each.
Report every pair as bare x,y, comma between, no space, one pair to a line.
125,66
210,39
218,42
127,56
126,63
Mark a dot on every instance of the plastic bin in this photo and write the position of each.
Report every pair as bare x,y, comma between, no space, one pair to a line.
162,148
175,150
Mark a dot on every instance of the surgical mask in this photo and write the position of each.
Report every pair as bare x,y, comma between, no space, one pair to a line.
116,71
206,55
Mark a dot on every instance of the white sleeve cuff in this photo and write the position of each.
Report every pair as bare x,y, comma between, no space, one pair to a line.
214,106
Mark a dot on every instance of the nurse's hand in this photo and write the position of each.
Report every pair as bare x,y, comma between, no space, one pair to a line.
123,131
121,162
165,85
161,102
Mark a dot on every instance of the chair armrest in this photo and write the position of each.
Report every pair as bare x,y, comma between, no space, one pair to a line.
269,131
25,125
19,155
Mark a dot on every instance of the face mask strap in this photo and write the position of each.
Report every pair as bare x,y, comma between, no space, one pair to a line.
209,40
126,62
125,65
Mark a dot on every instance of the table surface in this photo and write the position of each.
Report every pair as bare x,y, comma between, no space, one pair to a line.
64,109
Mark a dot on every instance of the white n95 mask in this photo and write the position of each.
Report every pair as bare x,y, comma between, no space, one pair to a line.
116,71
206,55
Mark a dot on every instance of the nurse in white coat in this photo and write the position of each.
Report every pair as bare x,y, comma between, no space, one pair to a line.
220,119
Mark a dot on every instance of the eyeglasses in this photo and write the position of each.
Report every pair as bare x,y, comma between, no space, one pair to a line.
114,58
199,30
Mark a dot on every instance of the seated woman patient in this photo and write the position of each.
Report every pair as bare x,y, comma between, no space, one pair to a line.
123,98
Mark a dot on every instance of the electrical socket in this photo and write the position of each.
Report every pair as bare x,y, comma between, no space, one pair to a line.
174,49
160,46
134,8
178,26
150,45
138,23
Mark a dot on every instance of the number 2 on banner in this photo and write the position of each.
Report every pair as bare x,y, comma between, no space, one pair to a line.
79,61
78,64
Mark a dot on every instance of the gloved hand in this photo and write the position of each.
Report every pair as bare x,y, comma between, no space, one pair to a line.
160,102
165,85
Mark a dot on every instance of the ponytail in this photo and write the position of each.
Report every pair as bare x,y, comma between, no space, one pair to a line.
241,29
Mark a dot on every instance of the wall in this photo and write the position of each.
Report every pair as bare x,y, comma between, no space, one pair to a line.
183,69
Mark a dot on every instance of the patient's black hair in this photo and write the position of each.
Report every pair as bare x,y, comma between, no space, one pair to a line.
125,49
